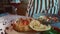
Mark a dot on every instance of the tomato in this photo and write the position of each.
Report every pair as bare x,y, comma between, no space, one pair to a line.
25,22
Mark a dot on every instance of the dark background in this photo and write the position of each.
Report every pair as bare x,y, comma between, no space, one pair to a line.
6,7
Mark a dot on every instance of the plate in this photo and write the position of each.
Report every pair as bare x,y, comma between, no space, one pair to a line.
37,26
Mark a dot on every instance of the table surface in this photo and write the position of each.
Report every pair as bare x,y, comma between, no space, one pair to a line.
8,18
